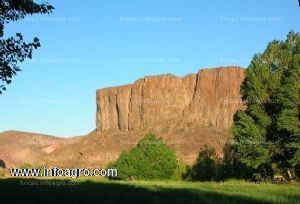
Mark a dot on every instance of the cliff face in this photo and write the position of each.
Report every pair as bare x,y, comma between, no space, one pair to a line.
208,98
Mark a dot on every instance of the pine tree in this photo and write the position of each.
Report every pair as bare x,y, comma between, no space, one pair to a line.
272,114
287,123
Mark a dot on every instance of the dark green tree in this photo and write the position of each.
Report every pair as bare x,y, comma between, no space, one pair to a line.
150,159
14,50
257,131
231,166
287,121
206,165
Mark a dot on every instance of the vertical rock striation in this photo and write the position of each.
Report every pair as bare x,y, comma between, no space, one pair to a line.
208,98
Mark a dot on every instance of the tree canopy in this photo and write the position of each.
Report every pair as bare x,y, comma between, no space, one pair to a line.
206,165
267,134
13,49
150,159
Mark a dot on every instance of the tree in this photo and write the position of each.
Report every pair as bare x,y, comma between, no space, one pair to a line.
150,159
231,166
260,136
287,121
13,49
206,165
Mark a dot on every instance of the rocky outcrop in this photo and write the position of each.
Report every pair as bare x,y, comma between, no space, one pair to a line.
186,113
209,98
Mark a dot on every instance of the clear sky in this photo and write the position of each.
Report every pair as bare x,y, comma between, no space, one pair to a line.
91,44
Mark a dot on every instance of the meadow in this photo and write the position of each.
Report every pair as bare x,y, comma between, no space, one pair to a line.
82,190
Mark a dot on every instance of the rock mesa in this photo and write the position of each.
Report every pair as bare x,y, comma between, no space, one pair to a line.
209,98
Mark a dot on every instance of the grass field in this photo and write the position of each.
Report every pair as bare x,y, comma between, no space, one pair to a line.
14,190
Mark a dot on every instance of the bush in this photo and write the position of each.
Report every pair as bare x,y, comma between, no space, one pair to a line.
180,171
206,166
231,166
150,159
187,176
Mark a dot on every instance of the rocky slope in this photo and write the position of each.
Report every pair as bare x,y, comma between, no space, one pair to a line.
19,148
97,149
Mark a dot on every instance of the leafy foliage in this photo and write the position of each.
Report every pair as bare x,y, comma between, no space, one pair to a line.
14,50
266,134
206,165
180,171
231,166
150,159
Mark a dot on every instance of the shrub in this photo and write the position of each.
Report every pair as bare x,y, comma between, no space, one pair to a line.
180,171
206,165
231,166
188,173
150,159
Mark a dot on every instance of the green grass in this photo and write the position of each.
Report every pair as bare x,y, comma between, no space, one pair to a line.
13,190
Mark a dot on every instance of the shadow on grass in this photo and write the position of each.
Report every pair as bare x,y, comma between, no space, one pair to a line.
23,191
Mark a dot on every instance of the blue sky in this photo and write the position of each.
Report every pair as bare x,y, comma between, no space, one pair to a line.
91,44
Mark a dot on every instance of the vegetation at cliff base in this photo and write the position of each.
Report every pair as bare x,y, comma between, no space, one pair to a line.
150,159
206,165
266,136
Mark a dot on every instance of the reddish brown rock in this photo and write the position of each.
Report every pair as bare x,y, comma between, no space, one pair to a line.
209,98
